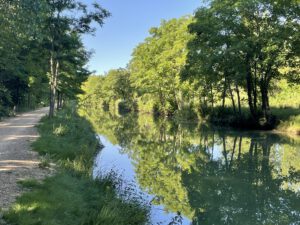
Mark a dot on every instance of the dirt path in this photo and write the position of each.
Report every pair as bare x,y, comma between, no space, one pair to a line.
17,161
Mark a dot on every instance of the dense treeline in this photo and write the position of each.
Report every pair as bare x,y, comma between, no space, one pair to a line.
245,45
226,64
41,49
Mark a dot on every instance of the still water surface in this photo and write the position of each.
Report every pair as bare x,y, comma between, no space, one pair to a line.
194,174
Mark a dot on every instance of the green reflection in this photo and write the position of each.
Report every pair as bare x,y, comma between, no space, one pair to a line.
209,176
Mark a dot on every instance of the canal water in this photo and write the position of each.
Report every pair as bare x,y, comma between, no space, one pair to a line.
195,174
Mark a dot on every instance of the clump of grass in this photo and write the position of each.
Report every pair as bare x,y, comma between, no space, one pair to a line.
60,130
291,125
289,119
71,196
45,162
29,183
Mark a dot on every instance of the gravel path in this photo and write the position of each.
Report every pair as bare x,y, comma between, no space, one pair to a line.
17,161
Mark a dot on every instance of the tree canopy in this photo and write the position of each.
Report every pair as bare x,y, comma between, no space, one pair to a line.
226,64
41,48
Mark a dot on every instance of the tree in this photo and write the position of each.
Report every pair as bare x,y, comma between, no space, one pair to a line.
157,62
62,24
20,23
245,44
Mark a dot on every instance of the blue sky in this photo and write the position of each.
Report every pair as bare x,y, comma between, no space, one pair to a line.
128,26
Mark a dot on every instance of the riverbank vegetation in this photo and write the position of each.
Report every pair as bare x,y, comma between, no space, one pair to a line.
71,196
234,63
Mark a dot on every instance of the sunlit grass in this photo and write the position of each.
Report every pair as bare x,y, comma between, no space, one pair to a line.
70,199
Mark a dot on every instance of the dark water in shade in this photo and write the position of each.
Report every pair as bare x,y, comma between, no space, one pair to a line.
193,174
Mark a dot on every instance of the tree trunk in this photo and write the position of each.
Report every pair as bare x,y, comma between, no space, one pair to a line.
212,97
52,101
179,100
232,97
239,98
255,88
249,93
61,101
54,66
264,99
224,94
58,100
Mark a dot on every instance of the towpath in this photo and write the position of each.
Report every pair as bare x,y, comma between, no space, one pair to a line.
17,161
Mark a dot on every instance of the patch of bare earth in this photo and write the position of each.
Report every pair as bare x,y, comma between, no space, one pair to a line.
17,161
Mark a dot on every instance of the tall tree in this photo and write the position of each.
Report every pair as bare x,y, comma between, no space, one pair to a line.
157,63
64,19
248,43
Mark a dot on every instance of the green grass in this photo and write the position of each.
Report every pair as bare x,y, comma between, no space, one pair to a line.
285,119
71,196
289,120
70,199
68,139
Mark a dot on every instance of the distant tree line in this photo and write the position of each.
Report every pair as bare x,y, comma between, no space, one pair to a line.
42,57
231,55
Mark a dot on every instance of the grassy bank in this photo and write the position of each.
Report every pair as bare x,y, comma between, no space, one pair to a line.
286,120
290,125
71,196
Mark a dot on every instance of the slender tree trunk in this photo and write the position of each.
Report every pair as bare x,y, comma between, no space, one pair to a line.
255,88
212,96
58,100
54,66
249,93
179,99
213,146
239,98
52,89
232,97
224,94
264,99
61,100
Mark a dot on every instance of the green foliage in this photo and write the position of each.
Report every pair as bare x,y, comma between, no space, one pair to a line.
113,90
22,62
244,45
5,101
41,48
157,62
66,22
230,69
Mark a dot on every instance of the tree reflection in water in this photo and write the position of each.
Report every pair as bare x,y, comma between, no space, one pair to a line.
207,175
